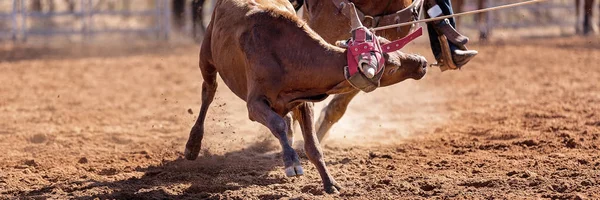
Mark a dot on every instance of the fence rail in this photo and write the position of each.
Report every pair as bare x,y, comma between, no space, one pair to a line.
557,13
20,17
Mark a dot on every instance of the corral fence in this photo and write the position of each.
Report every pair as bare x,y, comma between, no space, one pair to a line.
86,19
91,18
11,17
554,17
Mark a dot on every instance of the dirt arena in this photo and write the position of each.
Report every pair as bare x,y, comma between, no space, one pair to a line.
522,121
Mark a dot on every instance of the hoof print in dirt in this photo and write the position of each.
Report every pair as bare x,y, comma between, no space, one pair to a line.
30,163
479,183
39,138
527,143
83,160
312,189
595,123
524,174
571,143
373,155
108,172
428,186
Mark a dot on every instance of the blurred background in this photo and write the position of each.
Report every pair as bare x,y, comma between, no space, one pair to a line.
89,21
34,21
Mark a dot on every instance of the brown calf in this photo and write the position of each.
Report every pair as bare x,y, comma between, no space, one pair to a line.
272,60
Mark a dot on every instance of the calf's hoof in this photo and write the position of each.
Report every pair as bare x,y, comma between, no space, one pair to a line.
333,188
294,171
191,153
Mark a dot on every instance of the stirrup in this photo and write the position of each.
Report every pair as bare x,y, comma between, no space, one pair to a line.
445,61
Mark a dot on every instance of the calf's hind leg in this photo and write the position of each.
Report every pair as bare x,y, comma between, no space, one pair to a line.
209,88
259,111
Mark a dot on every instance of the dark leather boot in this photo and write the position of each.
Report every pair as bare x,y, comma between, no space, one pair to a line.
462,57
443,27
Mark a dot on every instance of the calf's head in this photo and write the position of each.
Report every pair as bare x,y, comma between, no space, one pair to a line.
401,66
367,61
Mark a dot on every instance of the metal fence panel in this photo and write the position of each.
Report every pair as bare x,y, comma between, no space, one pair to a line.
559,14
12,17
85,18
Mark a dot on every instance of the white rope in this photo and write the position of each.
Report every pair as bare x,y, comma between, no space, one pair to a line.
458,14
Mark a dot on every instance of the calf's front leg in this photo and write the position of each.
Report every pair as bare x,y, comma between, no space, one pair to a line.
304,114
209,88
259,111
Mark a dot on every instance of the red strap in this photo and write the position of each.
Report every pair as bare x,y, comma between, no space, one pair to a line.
363,48
352,65
398,44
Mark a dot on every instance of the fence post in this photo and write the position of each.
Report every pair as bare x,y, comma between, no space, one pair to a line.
13,17
167,19
90,14
490,19
158,21
24,19
84,31
579,10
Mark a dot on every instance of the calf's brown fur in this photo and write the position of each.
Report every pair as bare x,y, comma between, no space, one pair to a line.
277,64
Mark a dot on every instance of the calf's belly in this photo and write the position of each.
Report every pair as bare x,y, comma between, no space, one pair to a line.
233,75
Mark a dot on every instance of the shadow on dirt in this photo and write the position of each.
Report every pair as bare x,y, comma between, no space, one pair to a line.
208,175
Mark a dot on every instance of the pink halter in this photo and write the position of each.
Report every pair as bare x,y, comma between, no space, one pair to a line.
364,47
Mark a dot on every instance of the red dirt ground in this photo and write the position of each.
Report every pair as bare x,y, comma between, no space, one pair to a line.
522,121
